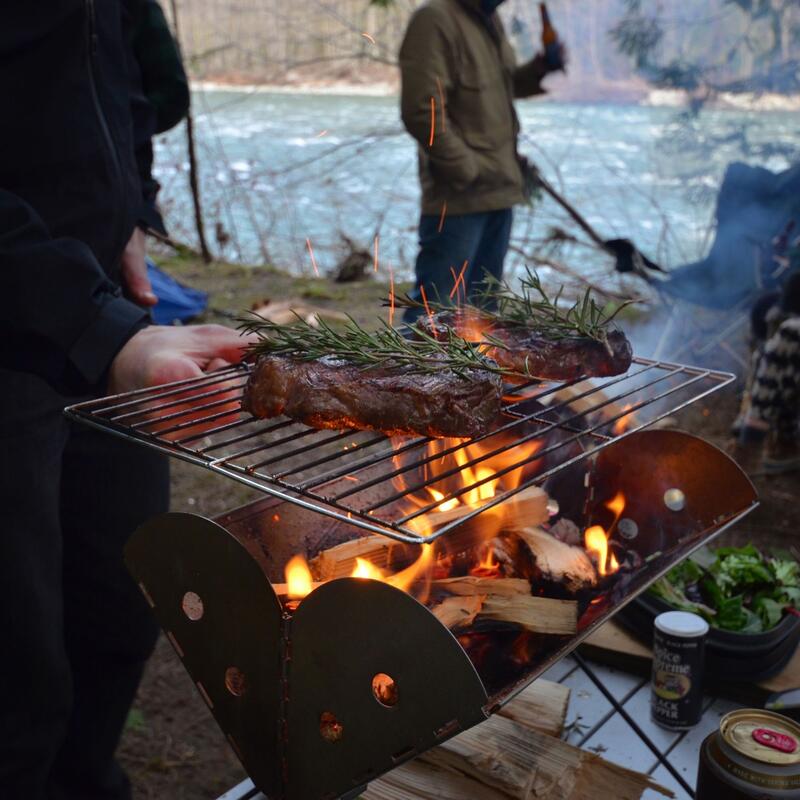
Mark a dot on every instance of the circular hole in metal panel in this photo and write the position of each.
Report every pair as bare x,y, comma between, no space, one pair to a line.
329,727
627,528
235,681
674,499
192,606
384,689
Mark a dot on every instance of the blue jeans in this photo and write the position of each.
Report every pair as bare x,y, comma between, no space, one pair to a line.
479,240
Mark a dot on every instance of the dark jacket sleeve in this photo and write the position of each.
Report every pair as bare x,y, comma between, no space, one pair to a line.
62,318
427,72
527,78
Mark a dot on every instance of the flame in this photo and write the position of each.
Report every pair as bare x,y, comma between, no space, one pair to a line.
299,582
447,505
624,422
419,571
597,542
366,569
489,566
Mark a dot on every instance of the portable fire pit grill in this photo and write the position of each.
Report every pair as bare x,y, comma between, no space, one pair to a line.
388,594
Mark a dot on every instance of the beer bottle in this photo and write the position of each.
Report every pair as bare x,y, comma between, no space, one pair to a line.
550,43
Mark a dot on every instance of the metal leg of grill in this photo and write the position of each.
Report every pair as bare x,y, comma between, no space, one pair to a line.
632,723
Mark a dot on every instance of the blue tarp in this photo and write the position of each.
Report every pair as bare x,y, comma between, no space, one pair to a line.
754,206
176,302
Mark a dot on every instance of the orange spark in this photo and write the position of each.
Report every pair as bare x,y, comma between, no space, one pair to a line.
321,134
459,279
391,295
375,259
313,260
441,102
427,309
368,37
433,120
441,219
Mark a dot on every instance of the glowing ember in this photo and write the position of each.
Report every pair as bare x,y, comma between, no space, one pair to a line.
433,120
298,578
597,543
368,38
458,280
322,133
441,218
488,567
427,308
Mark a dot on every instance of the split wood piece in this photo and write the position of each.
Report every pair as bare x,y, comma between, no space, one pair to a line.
524,509
340,561
285,312
560,562
524,764
469,585
540,706
533,614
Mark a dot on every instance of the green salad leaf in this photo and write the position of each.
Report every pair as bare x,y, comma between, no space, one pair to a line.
733,588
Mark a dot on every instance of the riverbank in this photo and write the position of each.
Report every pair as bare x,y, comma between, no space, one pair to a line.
561,90
172,747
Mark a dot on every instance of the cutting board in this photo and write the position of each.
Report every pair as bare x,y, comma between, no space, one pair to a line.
613,645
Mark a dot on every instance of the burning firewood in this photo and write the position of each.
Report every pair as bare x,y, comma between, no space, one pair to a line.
559,562
340,561
456,612
512,604
534,614
528,507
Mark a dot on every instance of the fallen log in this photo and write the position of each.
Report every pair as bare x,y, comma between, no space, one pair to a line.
468,585
340,561
559,562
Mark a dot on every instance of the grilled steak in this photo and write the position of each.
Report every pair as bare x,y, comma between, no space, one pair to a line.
330,393
529,352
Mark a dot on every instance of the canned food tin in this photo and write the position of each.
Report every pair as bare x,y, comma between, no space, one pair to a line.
754,754
677,681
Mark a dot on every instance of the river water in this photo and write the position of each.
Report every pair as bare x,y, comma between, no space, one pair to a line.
280,171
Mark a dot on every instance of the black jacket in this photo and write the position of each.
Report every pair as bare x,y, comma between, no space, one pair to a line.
70,192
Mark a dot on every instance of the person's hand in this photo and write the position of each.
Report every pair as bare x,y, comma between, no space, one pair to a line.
159,355
134,271
556,57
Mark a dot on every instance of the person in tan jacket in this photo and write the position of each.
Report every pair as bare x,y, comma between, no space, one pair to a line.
459,78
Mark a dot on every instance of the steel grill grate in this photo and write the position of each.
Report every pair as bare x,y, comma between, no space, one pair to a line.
369,480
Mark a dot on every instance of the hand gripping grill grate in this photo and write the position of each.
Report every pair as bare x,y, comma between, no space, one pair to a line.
293,686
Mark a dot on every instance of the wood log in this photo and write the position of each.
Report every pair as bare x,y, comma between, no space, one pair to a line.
541,706
468,585
534,614
521,763
456,612
339,561
560,562
524,509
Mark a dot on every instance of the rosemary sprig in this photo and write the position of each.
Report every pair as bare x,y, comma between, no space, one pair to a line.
385,347
533,308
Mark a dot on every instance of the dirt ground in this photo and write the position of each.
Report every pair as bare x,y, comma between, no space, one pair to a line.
172,747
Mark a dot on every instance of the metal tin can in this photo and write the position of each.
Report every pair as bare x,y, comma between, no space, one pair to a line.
677,681
754,754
